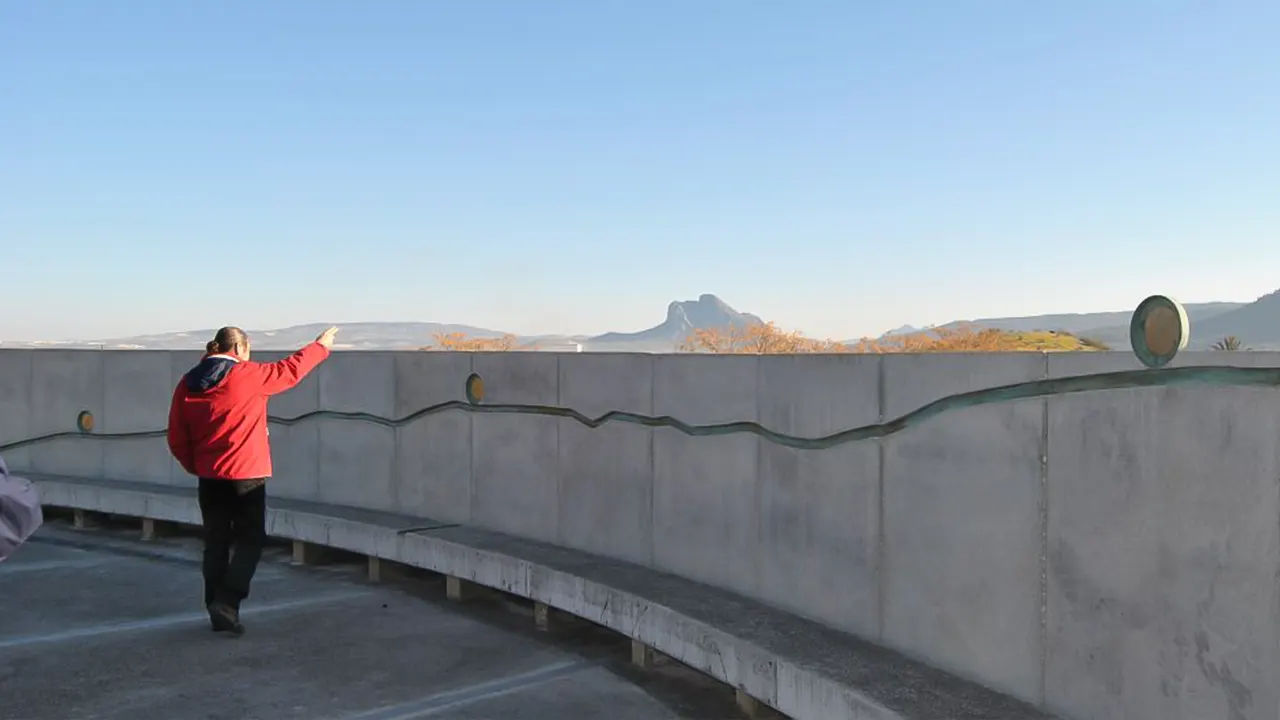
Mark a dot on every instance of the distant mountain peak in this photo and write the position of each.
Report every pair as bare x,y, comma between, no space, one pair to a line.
708,312
710,300
705,312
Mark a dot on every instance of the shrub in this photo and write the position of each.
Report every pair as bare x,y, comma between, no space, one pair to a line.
768,339
458,342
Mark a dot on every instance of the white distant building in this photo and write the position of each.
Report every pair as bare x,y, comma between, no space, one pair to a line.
566,346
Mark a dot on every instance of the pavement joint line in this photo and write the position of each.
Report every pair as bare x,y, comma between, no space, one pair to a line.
122,547
126,549
169,621
12,568
45,536
469,695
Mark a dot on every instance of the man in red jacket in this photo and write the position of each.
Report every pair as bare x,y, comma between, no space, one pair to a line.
218,433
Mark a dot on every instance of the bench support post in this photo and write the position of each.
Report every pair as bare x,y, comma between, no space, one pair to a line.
152,529
543,617
82,519
642,655
752,707
459,590
304,553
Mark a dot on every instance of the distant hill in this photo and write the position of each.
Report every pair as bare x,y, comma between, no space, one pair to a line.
1109,328
683,318
1084,323
354,336
358,336
970,339
707,312
1257,325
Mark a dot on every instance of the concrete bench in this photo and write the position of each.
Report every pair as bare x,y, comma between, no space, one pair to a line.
800,668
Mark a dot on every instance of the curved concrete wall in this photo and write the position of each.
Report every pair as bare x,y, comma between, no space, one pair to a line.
1112,554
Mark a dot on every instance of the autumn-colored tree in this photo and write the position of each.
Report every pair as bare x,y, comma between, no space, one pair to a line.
765,339
458,342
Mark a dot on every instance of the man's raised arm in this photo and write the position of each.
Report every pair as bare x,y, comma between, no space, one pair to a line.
283,375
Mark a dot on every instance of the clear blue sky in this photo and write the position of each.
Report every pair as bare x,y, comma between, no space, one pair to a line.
840,166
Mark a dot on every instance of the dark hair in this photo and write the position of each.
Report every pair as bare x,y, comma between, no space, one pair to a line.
225,340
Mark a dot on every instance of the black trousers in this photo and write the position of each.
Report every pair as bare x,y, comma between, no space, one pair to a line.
235,530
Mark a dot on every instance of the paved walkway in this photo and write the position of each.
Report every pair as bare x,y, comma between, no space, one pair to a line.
98,624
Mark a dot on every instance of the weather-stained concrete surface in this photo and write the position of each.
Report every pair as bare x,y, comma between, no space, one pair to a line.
99,624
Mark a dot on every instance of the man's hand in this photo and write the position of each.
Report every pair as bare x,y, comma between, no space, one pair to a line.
326,338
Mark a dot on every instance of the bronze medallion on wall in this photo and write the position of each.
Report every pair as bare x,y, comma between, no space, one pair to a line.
475,389
1158,330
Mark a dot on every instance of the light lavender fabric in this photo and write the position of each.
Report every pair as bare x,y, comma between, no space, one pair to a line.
20,514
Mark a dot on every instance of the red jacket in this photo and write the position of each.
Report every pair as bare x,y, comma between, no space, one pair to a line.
218,418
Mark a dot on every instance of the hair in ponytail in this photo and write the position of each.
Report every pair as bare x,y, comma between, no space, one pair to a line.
226,340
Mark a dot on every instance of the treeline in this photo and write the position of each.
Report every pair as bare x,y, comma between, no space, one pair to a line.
769,339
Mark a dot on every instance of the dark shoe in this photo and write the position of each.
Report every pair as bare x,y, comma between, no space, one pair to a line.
225,619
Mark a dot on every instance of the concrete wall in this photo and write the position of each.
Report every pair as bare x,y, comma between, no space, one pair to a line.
1107,555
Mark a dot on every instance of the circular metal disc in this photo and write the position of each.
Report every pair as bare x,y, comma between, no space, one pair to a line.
1158,330
84,421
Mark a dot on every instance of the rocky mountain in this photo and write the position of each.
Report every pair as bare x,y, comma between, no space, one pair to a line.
708,312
